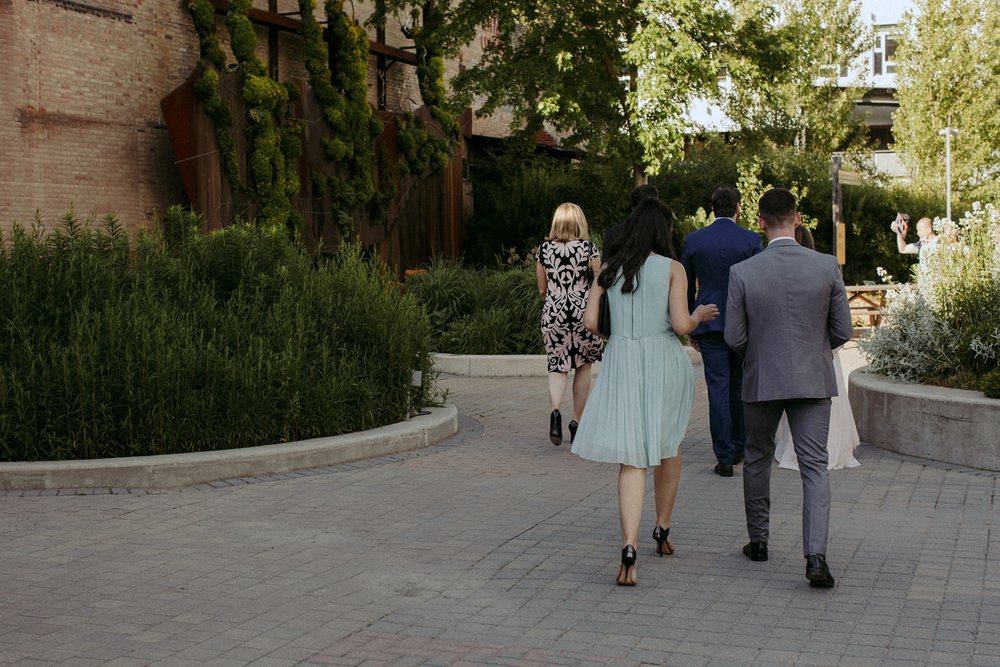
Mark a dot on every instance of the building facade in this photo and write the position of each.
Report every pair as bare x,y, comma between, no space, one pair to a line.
80,88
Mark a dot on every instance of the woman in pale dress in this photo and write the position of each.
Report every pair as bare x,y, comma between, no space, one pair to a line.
638,412
843,435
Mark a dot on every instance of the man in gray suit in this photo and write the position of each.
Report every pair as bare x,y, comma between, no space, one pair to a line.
787,310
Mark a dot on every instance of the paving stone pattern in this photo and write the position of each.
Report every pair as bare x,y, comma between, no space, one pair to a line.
496,548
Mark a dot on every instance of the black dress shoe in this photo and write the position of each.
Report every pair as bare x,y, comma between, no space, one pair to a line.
817,572
572,431
756,551
723,470
738,459
555,427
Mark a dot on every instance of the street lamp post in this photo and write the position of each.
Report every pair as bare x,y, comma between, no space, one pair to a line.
948,133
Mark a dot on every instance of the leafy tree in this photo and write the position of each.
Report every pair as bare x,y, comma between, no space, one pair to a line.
617,76
948,74
808,111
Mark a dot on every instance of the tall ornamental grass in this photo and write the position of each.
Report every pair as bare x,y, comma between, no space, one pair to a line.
480,311
193,342
944,328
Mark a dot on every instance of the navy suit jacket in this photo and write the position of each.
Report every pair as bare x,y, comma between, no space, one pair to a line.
708,255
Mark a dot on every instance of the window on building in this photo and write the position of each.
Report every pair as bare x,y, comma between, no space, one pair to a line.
891,42
884,53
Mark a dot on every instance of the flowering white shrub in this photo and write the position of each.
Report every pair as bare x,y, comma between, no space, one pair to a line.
911,343
947,325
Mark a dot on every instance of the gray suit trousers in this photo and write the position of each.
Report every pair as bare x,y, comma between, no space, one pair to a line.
809,422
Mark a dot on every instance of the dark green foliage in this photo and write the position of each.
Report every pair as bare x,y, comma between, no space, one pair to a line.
480,312
687,184
198,342
989,384
515,198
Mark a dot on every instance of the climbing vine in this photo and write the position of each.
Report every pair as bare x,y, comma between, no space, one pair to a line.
206,88
273,136
418,145
342,96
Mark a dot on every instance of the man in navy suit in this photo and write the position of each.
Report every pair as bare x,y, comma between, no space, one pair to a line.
708,255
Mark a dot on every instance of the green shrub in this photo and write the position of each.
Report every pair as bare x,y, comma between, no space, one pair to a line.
516,197
228,340
990,384
481,311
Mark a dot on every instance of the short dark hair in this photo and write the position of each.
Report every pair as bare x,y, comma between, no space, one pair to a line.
641,192
725,201
777,206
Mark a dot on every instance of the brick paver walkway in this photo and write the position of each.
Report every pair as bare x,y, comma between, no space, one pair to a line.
497,548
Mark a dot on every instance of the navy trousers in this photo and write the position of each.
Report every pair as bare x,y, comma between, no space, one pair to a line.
724,380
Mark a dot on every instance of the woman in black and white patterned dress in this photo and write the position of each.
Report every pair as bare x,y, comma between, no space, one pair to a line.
566,261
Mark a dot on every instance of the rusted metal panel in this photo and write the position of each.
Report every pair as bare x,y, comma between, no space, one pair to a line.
196,152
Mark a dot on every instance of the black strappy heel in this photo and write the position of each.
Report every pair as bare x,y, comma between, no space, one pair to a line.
555,428
628,563
663,545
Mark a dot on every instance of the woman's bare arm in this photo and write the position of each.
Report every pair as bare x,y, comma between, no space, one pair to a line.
682,322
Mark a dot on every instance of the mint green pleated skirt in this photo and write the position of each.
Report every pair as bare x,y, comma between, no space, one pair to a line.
639,407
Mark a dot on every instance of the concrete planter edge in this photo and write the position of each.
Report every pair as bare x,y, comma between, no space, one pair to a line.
947,425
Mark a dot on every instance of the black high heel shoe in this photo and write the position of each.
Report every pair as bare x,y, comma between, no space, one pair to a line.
572,431
628,564
663,545
555,428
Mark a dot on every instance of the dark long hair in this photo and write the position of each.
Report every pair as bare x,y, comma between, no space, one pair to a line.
647,230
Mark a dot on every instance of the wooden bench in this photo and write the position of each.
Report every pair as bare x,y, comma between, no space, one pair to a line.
867,303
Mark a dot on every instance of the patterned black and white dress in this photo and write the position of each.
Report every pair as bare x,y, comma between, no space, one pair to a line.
567,344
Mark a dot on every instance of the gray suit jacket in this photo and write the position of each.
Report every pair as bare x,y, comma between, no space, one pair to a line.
787,311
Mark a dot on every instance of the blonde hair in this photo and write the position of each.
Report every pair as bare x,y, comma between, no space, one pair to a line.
568,223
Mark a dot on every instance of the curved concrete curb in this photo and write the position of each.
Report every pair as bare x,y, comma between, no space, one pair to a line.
177,470
949,425
507,365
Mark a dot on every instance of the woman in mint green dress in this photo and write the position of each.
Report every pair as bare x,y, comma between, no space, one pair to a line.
638,411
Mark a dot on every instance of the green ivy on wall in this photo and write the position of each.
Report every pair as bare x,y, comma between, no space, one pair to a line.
274,136
343,97
206,88
420,147
270,130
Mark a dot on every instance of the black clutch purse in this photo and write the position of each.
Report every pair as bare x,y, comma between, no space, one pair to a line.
604,316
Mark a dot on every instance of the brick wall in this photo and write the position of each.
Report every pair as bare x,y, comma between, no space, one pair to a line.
80,87
80,122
